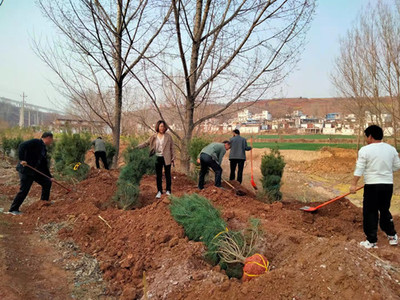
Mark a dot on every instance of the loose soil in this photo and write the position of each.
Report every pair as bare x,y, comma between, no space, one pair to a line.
83,247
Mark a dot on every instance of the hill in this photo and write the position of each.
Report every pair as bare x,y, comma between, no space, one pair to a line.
317,107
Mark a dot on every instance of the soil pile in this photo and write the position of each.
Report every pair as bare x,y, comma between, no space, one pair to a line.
312,255
145,250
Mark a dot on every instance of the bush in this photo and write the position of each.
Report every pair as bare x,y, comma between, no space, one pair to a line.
195,146
272,166
201,221
69,155
9,144
126,195
138,163
110,152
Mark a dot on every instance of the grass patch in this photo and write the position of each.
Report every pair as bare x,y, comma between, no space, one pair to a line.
302,146
305,136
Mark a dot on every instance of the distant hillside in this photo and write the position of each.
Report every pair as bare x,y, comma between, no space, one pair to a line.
10,115
317,107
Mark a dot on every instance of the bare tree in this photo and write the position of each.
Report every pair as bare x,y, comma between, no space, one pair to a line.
101,46
367,69
225,52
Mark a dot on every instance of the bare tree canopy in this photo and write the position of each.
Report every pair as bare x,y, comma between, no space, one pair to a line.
225,52
98,52
367,70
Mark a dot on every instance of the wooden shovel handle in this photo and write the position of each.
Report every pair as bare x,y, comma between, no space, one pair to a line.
337,198
53,180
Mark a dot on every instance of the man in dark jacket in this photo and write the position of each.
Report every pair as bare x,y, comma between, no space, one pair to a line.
33,153
237,155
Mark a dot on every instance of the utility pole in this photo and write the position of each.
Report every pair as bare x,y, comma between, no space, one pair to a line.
22,111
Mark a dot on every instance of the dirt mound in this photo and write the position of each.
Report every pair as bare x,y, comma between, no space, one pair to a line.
146,251
333,160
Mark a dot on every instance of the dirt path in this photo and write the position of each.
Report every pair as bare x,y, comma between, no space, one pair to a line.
28,269
27,263
34,263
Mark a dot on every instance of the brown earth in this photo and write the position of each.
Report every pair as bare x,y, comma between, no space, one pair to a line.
144,254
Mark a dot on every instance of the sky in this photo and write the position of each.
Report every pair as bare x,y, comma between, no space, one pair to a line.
22,72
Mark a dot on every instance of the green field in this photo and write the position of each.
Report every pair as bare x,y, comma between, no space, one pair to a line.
306,136
302,146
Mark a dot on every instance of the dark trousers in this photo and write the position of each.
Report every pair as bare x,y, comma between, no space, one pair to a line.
376,206
102,155
25,185
206,162
240,164
160,163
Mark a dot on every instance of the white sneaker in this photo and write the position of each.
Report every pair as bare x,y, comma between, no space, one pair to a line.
168,193
367,245
393,240
158,196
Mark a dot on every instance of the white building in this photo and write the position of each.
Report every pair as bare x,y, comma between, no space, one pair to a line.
327,130
264,115
250,128
244,115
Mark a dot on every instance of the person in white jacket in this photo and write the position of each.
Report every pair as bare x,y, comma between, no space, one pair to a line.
376,162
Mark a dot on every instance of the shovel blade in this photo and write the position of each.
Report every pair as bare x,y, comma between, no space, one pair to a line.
307,208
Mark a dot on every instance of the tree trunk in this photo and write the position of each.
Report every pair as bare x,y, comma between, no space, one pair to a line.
118,85
184,155
117,121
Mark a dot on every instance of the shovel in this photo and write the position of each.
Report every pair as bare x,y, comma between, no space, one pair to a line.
311,209
237,192
53,180
251,165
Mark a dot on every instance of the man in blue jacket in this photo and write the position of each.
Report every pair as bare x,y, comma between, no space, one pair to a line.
237,155
33,153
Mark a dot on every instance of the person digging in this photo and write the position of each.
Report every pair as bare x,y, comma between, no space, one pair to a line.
211,157
376,161
33,153
100,152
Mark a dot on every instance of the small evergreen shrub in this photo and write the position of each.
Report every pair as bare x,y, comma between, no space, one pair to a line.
9,144
202,222
138,163
272,166
110,152
195,146
126,195
69,155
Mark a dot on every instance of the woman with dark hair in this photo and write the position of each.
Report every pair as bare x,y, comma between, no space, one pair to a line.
162,145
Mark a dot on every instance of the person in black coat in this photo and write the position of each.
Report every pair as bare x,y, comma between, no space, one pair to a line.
33,153
237,155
